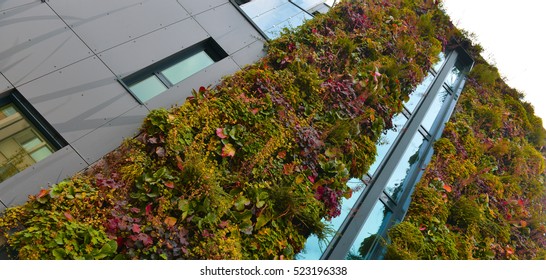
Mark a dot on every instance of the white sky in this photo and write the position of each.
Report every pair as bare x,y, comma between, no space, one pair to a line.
513,34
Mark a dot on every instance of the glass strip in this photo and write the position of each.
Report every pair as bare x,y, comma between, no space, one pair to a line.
386,140
432,113
148,88
187,67
419,93
377,220
395,185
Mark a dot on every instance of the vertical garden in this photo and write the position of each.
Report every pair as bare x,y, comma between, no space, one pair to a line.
249,168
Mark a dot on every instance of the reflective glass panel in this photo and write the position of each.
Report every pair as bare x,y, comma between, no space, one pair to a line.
386,140
395,185
377,220
435,108
187,67
273,16
453,76
314,247
40,154
418,93
307,4
148,88
20,143
255,8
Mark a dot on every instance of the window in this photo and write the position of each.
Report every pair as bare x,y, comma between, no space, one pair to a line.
157,78
272,16
21,141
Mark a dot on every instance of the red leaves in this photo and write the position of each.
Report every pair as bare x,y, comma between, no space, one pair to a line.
68,216
136,228
148,209
169,185
220,133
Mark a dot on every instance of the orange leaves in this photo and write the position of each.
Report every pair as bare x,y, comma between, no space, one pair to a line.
447,188
170,221
228,151
42,193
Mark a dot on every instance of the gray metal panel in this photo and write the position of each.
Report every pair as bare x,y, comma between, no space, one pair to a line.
4,84
8,4
196,7
79,98
146,50
36,42
109,136
208,76
61,164
228,27
103,24
249,54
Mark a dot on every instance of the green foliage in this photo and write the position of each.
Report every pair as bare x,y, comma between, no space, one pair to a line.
407,242
48,235
250,168
465,213
482,195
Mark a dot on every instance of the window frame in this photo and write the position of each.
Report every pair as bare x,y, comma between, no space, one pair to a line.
209,46
37,124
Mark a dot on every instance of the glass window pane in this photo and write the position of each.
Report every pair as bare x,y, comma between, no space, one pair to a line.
395,185
41,153
187,67
7,111
273,17
418,93
331,2
307,4
386,140
314,247
453,76
377,220
20,143
255,8
148,88
435,108
31,144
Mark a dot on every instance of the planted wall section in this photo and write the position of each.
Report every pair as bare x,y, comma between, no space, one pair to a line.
249,168
483,194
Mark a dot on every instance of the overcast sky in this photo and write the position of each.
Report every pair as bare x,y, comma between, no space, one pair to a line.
513,34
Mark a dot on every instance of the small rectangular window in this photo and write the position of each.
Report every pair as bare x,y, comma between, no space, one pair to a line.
157,78
272,16
22,141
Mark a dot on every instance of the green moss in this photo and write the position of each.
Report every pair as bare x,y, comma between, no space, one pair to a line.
407,242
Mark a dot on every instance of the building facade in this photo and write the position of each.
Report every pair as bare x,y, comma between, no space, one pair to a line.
77,77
